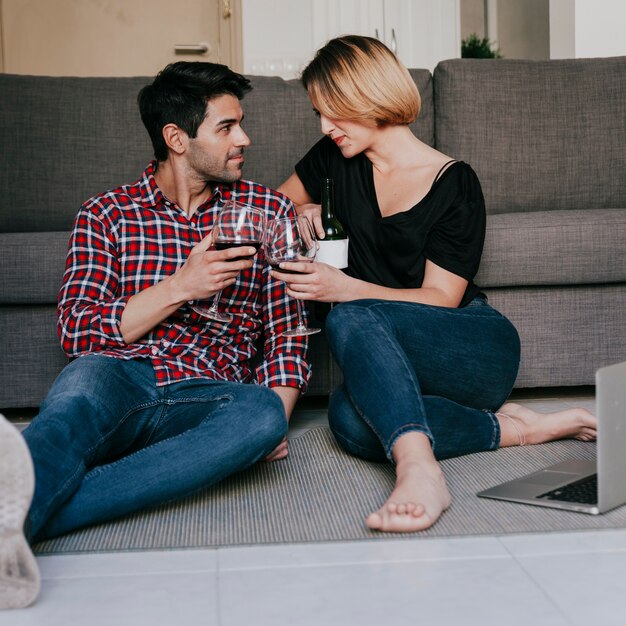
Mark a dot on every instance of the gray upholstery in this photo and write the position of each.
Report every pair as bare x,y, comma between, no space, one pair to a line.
43,253
567,332
546,138
63,141
542,135
554,248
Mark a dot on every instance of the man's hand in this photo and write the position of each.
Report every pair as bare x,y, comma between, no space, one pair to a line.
202,275
205,272
280,452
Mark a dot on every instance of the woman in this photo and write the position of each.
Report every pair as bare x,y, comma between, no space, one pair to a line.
427,363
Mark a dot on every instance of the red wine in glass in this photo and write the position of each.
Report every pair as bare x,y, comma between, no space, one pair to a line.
223,245
236,225
291,240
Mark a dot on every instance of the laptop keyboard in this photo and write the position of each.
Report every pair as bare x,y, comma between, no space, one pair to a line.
584,491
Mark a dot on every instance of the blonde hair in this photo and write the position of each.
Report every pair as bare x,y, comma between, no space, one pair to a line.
360,79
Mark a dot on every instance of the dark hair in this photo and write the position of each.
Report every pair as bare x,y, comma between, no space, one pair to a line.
179,95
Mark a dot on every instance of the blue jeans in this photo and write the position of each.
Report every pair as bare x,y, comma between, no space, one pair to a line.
418,368
108,441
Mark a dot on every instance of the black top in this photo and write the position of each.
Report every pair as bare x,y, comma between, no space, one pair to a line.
447,226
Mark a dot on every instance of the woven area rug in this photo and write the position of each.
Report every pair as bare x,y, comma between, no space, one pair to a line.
319,493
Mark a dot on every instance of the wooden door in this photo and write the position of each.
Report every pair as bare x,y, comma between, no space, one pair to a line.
116,37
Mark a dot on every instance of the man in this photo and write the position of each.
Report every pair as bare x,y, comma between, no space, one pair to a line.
158,400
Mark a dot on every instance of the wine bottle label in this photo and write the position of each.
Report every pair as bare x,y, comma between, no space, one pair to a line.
333,253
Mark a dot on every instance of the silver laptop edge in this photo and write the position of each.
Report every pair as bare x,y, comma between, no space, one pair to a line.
611,460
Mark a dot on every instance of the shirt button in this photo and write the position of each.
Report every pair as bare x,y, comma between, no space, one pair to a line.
154,350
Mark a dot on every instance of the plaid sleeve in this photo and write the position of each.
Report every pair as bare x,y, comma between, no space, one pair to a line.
284,363
89,309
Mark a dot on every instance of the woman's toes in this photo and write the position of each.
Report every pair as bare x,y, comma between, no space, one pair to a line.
401,509
374,521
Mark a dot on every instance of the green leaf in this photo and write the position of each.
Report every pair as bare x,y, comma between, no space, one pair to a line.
474,48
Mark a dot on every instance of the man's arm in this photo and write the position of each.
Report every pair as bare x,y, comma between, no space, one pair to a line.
203,274
95,314
289,396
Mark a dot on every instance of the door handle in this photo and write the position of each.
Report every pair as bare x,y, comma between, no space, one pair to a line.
394,41
198,48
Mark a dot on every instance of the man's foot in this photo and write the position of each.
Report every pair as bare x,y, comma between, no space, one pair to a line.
418,499
520,425
19,574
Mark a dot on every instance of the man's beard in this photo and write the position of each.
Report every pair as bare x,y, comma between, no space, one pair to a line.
230,175
222,172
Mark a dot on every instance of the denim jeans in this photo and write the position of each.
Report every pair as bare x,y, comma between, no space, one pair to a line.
108,441
418,368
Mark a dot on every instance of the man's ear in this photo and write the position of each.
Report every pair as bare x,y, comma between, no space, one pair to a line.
175,138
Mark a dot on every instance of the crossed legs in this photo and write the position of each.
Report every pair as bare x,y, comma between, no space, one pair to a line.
424,383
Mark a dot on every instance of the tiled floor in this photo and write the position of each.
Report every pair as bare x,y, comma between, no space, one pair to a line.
536,579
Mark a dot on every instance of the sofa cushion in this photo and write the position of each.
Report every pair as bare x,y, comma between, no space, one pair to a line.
64,140
521,249
32,266
541,135
554,248
32,354
567,332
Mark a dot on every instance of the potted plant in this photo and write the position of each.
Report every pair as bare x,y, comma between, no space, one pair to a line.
474,48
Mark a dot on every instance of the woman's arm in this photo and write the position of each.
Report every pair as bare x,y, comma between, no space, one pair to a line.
439,287
324,283
295,191
321,282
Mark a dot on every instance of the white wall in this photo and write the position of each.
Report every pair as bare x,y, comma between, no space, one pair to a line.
600,29
277,36
587,28
281,36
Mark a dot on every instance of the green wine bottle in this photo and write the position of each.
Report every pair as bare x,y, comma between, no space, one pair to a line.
333,249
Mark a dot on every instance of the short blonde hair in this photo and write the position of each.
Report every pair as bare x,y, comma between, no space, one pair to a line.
360,79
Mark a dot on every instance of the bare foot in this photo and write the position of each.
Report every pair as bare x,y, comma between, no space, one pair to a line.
530,427
418,499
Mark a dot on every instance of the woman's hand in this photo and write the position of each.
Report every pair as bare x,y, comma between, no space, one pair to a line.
315,281
313,212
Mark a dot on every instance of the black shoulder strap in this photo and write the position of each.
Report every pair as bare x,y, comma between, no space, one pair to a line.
443,167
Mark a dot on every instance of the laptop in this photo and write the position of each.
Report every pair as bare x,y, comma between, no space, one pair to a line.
585,486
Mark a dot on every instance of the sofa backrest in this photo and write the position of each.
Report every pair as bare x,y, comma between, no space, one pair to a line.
66,139
541,135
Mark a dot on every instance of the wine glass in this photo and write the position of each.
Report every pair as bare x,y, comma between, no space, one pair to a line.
291,239
237,224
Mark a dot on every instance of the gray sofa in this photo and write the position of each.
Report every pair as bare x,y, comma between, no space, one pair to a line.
547,139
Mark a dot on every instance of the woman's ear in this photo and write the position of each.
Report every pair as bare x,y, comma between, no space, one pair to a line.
175,138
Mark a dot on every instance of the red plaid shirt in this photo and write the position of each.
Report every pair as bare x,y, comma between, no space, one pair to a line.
131,238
